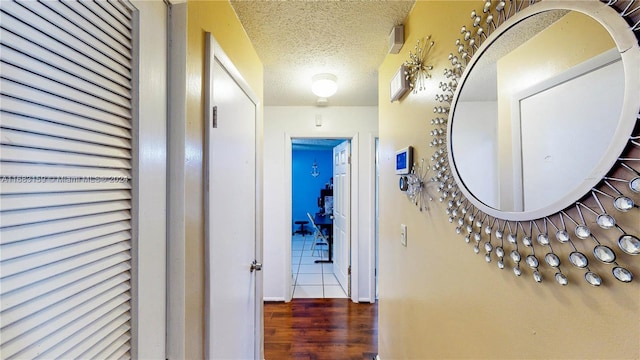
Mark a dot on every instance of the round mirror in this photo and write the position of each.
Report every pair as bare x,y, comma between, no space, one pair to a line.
544,109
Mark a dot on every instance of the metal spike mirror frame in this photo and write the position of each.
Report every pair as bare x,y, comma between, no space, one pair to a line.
531,241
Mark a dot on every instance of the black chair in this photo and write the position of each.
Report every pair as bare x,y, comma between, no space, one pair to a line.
301,230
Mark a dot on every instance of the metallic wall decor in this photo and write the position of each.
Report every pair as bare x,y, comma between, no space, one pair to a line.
582,238
419,187
417,70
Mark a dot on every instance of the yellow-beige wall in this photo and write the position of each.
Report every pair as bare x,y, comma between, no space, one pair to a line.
218,18
440,300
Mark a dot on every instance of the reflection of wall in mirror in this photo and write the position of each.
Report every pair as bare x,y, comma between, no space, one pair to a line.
569,41
477,165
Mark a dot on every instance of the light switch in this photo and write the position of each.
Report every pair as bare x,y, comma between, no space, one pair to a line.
403,234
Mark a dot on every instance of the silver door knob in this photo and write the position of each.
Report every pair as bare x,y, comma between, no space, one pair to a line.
256,266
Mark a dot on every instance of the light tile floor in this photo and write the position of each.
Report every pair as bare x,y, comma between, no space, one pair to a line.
311,280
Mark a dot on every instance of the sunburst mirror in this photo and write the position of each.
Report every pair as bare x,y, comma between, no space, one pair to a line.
537,137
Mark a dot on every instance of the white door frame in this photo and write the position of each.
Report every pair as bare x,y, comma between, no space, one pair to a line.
355,225
218,54
150,132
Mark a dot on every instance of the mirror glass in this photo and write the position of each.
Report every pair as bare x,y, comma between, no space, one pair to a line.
536,111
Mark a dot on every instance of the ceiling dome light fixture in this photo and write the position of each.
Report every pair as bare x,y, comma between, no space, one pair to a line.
324,85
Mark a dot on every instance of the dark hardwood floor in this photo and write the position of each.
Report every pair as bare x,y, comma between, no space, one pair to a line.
315,329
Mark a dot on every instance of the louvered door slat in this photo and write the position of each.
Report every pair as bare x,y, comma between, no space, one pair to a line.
28,201
66,310
96,33
123,9
115,14
26,139
41,112
85,288
60,103
107,18
30,35
35,275
15,250
86,14
33,50
37,126
42,338
43,84
100,344
65,178
115,350
37,156
33,171
75,29
64,184
57,35
113,329
29,232
22,264
86,88
46,293
38,215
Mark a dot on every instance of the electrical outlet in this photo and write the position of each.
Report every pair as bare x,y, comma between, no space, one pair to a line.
403,234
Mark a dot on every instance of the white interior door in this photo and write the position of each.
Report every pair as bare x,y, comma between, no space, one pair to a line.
342,214
231,218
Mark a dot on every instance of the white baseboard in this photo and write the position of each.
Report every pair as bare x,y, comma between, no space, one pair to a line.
273,299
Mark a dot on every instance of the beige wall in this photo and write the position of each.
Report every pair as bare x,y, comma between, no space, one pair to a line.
218,18
440,300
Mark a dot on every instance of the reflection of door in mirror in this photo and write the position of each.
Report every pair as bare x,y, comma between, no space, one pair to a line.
560,127
553,48
554,118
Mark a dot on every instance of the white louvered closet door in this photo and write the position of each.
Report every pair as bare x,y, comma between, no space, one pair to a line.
65,179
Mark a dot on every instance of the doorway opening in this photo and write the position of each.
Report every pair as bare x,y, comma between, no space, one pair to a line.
314,273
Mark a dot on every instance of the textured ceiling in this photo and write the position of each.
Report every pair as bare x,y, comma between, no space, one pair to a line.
298,39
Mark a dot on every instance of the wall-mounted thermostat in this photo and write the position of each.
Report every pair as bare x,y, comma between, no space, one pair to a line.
404,160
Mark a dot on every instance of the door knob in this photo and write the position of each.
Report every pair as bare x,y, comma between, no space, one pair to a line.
255,265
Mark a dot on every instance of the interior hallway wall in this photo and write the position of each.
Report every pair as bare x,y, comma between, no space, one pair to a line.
437,298
299,121
186,294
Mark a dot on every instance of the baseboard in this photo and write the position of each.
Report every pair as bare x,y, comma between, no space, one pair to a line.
273,299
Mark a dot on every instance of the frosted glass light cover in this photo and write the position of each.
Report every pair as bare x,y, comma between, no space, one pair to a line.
324,85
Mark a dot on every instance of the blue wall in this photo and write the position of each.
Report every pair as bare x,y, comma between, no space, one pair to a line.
306,188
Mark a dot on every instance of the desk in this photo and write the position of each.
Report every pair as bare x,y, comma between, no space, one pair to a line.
325,222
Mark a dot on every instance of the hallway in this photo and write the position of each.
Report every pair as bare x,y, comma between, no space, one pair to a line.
332,329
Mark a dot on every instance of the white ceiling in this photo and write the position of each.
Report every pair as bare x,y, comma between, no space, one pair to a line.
296,39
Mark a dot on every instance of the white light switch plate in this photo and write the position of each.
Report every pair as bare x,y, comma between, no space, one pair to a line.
403,234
